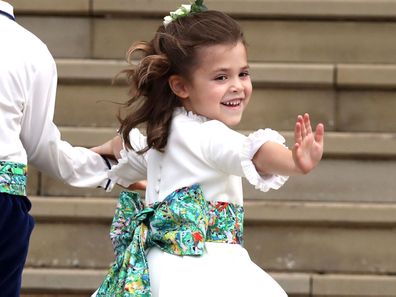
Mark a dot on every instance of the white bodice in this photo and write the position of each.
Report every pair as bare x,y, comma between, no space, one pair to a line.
199,151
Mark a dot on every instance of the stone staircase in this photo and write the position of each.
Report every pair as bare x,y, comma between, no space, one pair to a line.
328,234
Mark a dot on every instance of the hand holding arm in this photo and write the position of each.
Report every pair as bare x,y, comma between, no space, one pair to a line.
273,158
110,148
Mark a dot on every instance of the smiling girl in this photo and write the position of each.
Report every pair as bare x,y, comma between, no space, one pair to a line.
190,86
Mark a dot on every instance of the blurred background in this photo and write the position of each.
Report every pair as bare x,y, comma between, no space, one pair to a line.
330,233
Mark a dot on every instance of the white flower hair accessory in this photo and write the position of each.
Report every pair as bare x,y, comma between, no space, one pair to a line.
184,10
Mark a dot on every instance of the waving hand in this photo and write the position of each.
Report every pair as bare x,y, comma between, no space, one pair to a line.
308,148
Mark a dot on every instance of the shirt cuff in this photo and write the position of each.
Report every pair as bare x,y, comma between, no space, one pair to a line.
106,184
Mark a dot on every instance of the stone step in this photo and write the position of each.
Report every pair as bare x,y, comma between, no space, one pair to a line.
270,40
55,282
362,9
80,283
308,247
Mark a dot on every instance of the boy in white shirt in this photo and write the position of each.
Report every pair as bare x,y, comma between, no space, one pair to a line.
28,80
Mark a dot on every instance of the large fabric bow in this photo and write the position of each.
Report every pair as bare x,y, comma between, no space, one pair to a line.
177,225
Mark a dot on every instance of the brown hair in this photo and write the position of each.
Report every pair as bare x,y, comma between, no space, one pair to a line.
173,50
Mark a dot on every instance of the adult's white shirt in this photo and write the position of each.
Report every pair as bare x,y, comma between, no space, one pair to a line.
28,81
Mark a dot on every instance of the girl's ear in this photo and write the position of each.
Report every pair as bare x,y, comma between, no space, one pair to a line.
178,86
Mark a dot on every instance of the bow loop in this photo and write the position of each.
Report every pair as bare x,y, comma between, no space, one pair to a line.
180,222
129,214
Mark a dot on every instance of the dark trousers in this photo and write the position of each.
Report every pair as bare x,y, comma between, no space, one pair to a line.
16,225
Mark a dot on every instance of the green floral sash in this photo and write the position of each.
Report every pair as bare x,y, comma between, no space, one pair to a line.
13,178
179,225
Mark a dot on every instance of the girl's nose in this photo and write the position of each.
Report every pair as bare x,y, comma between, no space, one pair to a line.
237,85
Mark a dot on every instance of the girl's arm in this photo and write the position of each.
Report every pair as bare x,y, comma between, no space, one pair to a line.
273,158
112,149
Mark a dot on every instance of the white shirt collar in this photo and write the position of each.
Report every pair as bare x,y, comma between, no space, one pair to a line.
189,114
7,8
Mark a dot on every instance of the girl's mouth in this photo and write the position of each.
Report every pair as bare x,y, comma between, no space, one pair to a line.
232,103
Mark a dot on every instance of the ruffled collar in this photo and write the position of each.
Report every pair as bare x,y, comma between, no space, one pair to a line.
182,111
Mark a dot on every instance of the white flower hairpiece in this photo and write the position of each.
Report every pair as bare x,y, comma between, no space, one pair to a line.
184,10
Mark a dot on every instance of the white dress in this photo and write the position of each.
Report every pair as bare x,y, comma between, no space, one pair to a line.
205,152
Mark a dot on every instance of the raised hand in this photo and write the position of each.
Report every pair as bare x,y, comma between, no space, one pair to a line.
308,148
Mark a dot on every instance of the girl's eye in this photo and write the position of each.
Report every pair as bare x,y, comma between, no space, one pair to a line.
244,74
221,77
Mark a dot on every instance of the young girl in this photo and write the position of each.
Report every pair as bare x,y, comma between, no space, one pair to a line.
192,82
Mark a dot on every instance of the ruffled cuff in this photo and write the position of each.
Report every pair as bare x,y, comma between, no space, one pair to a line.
254,141
115,174
131,166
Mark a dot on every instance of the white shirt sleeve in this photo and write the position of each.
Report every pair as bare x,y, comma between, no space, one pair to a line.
41,138
131,167
232,153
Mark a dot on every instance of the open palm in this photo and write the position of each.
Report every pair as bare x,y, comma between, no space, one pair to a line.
308,147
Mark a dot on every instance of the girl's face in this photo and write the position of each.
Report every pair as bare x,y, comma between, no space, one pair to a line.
220,88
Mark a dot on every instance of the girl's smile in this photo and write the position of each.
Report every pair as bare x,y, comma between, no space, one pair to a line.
232,103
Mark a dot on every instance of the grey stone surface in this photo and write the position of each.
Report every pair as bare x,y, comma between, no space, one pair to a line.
70,245
273,40
366,111
304,248
292,74
72,282
89,105
354,285
263,8
277,108
33,182
63,7
337,180
320,41
366,75
65,37
111,45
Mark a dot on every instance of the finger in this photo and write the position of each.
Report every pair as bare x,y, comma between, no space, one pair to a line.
300,119
95,149
297,133
141,185
307,124
319,133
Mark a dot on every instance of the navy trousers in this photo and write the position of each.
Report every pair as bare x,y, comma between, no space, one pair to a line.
16,225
